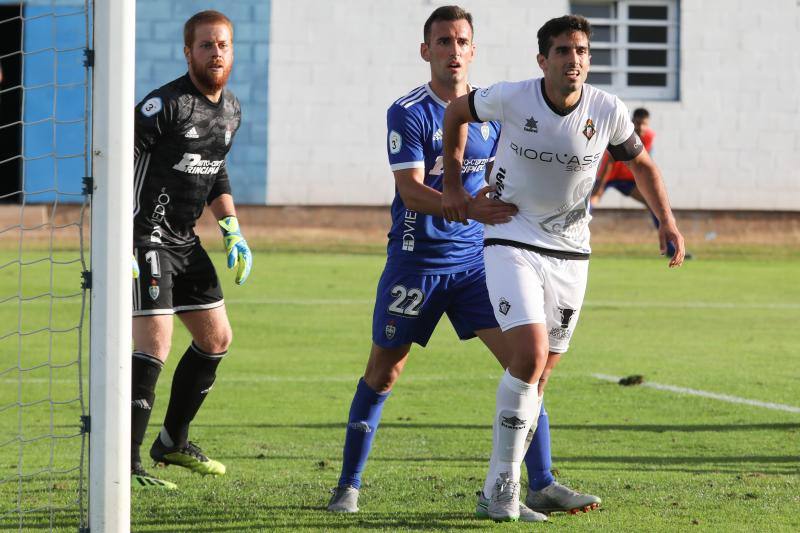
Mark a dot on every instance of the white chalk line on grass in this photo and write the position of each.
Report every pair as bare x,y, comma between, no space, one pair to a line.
589,303
695,305
705,394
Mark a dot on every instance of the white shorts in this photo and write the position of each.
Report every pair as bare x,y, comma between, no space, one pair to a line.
526,287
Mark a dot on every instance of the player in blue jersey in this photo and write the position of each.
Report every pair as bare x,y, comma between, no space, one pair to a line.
433,266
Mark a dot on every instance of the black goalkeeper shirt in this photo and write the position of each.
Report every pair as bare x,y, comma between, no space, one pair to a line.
180,143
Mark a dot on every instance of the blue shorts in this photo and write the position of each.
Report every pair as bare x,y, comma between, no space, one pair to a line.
623,186
408,306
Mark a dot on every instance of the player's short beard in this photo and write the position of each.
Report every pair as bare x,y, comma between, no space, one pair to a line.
208,80
449,78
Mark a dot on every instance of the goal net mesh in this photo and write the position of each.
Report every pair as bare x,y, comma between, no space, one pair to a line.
44,157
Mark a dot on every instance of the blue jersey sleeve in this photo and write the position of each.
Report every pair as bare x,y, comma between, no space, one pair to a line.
404,141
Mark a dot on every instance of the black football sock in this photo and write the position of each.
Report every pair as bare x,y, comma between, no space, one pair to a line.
145,369
191,383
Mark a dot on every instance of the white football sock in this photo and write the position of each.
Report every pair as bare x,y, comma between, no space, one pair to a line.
532,430
515,413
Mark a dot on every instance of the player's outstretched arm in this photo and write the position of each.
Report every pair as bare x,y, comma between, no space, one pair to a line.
649,182
454,197
239,255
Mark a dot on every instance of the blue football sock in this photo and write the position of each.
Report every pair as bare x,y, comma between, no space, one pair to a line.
365,414
538,461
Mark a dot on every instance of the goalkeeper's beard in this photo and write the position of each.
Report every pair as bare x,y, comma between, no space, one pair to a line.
210,81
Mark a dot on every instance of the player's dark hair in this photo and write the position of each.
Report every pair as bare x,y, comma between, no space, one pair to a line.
448,14
640,113
204,17
555,27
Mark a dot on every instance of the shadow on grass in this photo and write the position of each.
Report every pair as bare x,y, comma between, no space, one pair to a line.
431,459
661,428
290,518
654,428
40,519
756,470
666,460
740,464
630,459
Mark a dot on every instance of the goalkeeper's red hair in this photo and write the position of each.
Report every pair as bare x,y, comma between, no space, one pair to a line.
203,17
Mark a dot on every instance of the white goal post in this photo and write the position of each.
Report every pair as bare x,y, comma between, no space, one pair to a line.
114,25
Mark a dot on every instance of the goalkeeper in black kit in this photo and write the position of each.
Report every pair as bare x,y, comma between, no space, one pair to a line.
183,133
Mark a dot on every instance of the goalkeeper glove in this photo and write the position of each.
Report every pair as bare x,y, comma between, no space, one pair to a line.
135,268
236,247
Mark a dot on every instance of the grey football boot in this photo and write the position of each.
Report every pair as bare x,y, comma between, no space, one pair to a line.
344,500
556,498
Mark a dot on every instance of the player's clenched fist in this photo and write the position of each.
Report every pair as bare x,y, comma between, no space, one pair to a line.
239,254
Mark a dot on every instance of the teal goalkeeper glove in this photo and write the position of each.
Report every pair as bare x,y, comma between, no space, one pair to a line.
135,268
239,254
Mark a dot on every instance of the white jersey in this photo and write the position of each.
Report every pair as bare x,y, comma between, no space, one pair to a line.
547,159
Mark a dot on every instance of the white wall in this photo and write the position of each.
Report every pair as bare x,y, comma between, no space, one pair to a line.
732,141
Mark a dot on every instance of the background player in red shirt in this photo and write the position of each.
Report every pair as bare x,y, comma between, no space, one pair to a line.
615,174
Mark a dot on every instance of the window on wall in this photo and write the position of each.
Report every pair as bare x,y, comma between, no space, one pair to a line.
634,46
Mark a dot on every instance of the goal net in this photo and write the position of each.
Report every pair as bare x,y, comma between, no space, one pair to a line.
58,405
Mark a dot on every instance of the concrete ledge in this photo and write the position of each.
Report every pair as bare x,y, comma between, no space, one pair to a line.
608,226
370,224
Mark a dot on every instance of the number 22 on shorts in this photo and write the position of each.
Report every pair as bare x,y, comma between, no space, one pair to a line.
407,302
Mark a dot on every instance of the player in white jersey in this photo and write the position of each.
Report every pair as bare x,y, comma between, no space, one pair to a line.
554,131
434,267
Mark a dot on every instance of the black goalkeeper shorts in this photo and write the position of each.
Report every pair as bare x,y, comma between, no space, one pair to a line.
174,281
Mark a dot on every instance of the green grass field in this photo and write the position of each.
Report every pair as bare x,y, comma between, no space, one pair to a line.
727,323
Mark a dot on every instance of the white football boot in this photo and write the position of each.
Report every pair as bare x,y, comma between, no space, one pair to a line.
525,514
